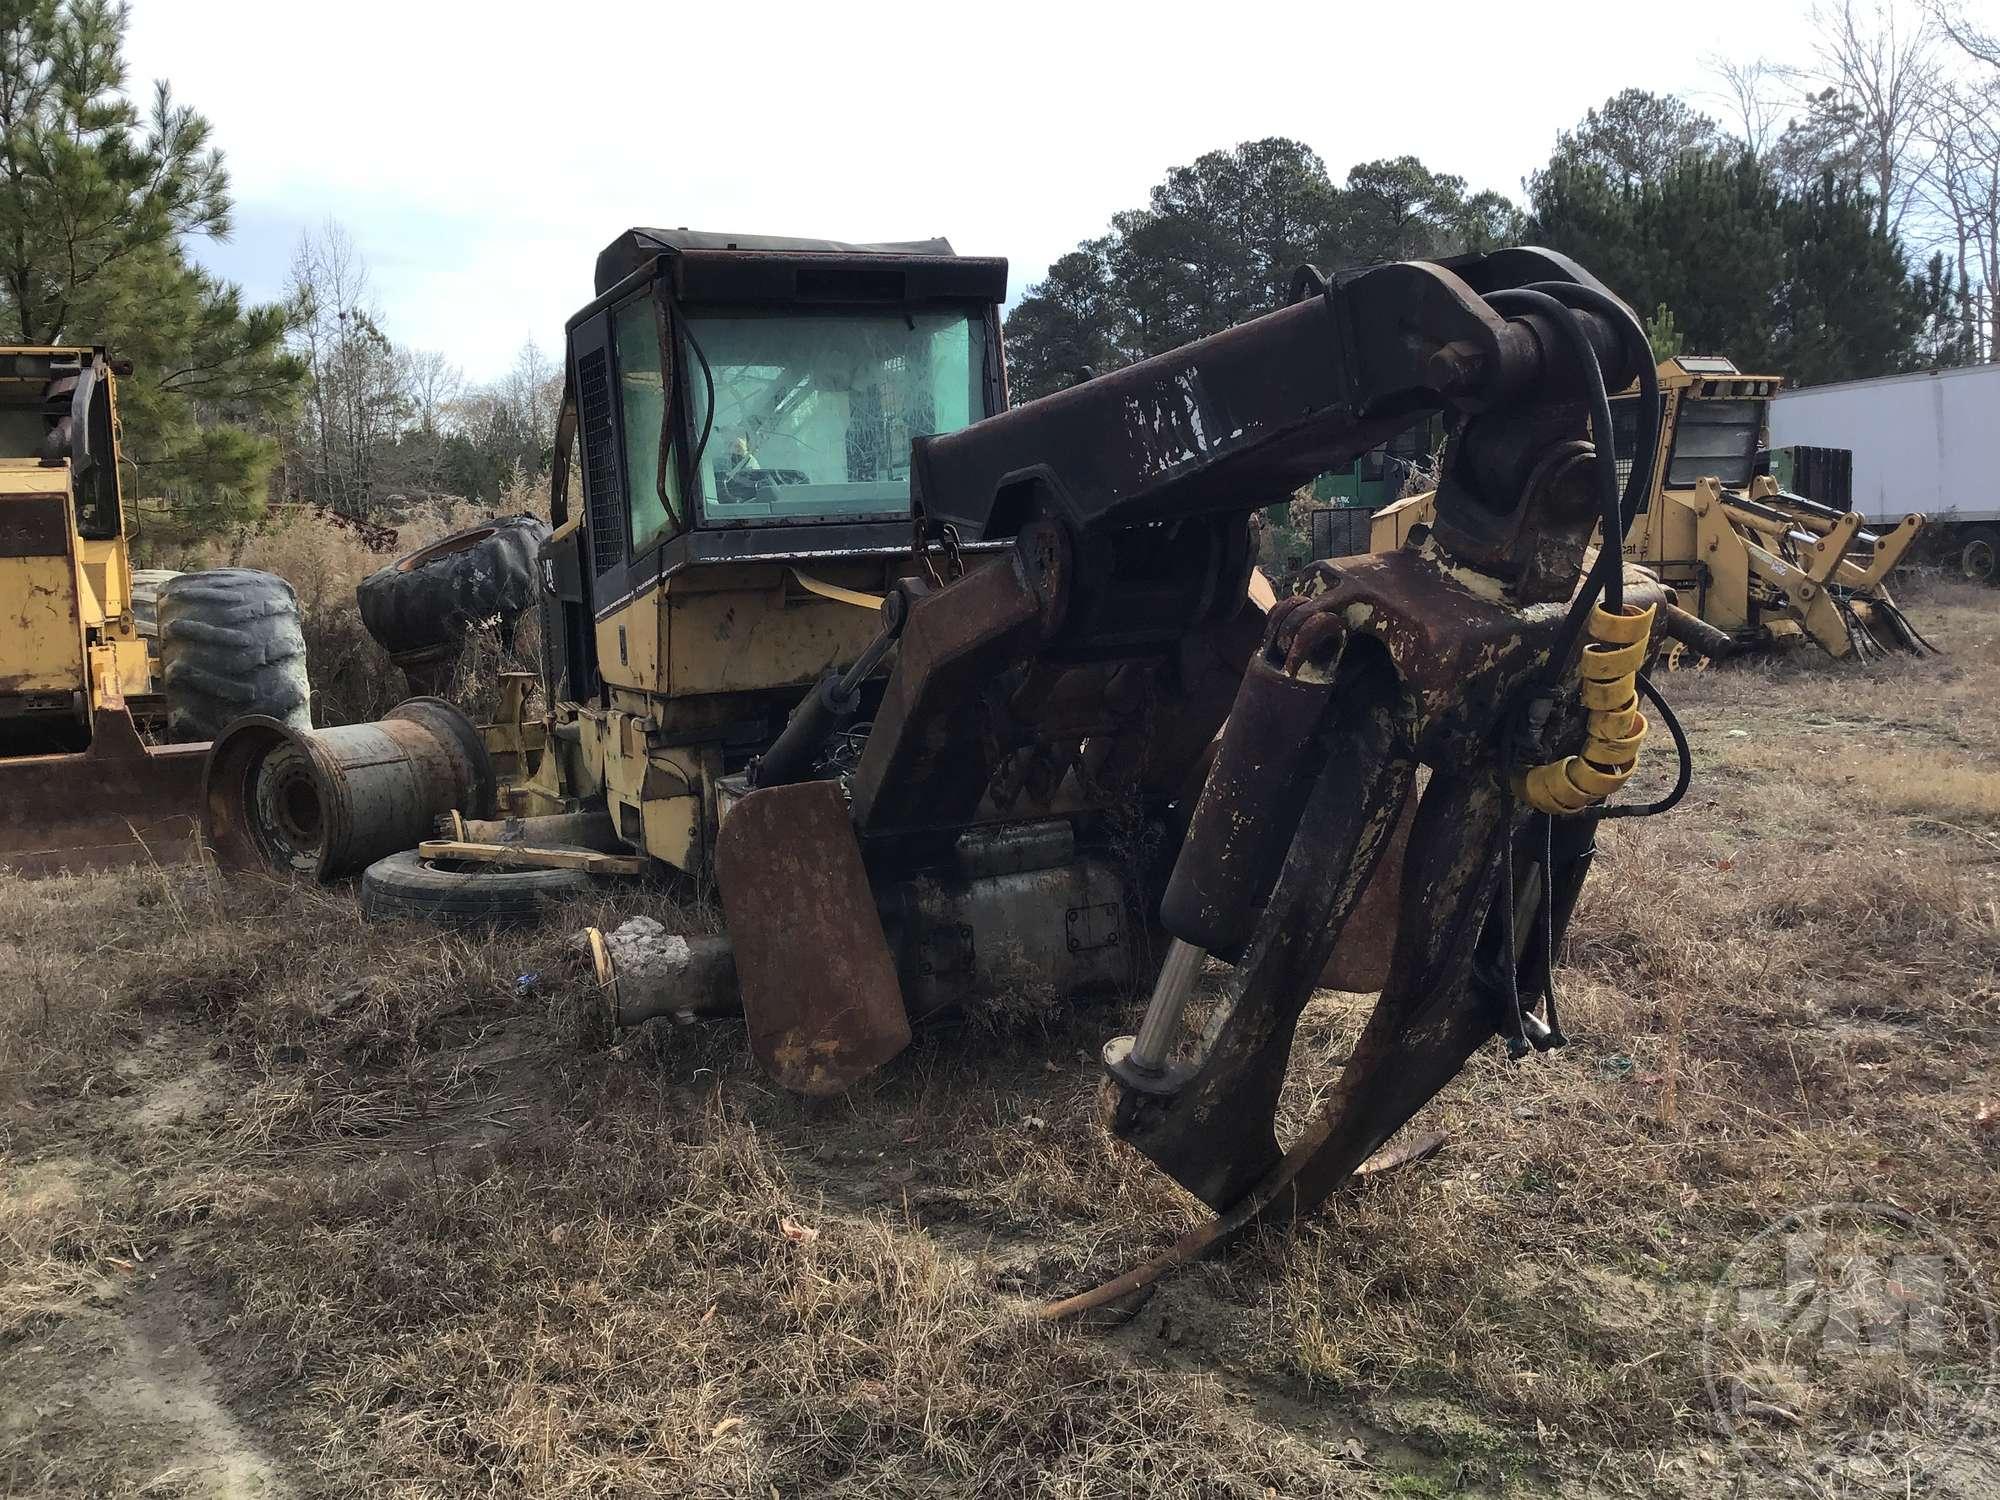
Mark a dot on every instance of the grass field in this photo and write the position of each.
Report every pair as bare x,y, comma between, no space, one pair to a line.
294,1206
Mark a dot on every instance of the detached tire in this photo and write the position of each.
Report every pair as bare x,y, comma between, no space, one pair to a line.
404,887
1979,554
429,598
230,645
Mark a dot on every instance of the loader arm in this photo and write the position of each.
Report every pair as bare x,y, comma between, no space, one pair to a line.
1123,505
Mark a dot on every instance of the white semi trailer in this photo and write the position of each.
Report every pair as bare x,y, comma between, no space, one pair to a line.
1928,442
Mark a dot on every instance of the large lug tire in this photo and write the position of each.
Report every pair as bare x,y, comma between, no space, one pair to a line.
422,604
231,645
146,585
406,886
1979,554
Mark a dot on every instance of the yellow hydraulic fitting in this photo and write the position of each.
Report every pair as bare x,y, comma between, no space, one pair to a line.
1615,729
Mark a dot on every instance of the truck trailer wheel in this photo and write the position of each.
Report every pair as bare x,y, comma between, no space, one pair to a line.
1979,554
429,598
230,645
408,886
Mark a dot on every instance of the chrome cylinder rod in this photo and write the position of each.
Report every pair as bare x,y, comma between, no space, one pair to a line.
1162,1023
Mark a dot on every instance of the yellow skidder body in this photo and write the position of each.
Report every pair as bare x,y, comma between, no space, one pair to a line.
1745,558
78,786
1610,671
68,643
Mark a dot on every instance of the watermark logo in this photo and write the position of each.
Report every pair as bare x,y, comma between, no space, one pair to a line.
1847,1331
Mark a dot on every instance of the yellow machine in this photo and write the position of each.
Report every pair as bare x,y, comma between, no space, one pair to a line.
78,787
764,444
1748,560
948,700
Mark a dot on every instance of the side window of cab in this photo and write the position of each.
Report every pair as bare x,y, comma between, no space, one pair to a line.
645,393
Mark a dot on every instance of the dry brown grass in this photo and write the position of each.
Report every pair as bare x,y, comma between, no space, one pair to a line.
468,1245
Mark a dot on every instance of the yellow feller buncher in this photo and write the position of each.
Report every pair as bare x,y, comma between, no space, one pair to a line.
946,699
83,688
1752,564
79,788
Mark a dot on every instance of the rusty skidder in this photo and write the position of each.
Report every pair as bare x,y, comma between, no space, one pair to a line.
1063,735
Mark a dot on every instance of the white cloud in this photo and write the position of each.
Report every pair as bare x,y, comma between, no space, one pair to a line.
480,155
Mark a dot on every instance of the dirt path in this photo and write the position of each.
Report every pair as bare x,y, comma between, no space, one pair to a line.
121,1400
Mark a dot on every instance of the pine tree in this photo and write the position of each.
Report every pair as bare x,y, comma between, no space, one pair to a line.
96,204
1801,282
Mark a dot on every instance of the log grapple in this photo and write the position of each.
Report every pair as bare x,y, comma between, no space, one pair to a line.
1439,726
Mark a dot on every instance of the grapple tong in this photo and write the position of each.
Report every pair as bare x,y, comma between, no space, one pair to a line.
1410,752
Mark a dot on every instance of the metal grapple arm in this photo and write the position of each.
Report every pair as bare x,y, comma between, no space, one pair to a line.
1124,505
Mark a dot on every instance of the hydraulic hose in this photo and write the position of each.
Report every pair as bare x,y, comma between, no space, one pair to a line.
1606,583
1647,433
1685,776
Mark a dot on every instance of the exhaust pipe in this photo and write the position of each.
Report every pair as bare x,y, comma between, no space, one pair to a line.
326,803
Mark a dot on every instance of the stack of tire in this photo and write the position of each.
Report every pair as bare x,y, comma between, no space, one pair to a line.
230,645
421,606
419,609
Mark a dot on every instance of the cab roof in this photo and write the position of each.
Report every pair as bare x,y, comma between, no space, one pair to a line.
780,268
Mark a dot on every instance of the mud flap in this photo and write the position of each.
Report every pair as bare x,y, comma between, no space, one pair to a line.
818,982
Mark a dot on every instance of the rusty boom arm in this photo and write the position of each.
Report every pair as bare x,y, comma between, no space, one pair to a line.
1124,505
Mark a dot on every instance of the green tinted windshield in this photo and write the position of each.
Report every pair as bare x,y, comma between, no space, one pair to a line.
814,412
1715,440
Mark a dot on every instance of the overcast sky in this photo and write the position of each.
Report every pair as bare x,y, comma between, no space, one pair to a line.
481,154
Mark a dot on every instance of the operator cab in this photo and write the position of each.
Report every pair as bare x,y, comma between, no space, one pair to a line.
732,495
1712,423
763,384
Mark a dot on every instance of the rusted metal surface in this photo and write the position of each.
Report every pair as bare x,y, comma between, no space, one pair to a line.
1428,666
1092,659
1367,940
1443,655
34,525
819,984
1217,1135
1246,416
118,803
325,803
927,763
1249,807
1422,1030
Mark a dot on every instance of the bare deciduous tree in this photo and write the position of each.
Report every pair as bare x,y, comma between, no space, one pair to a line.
353,398
1962,192
1881,61
431,383
1967,35
1754,95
